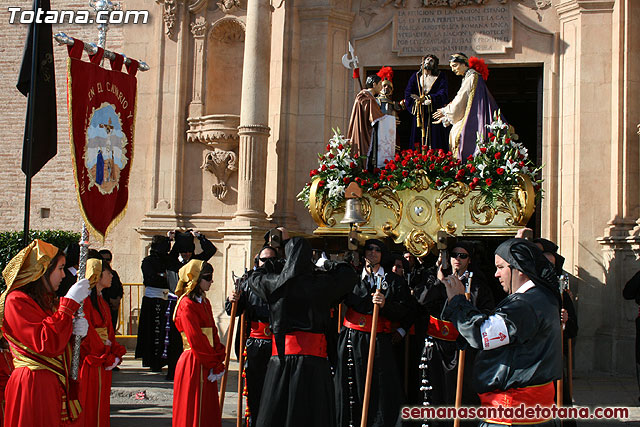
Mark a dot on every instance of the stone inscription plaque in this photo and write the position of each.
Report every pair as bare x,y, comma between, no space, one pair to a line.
443,31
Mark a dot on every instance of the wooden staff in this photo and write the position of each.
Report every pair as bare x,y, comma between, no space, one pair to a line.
372,353
240,369
559,383
406,364
234,310
461,357
569,366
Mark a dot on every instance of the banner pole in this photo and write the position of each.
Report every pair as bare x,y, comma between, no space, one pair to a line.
30,119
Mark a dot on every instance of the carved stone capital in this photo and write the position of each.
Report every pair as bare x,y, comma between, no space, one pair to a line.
227,6
222,164
199,27
216,130
168,16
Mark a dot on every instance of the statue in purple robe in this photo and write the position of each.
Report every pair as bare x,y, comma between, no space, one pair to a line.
471,110
427,91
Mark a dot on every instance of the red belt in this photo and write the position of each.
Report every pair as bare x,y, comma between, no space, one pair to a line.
362,322
303,344
442,329
260,330
531,396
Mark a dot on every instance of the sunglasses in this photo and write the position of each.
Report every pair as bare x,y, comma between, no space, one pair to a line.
459,255
373,248
207,277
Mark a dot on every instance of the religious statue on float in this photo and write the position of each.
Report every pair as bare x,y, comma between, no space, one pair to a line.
371,132
388,107
426,91
471,110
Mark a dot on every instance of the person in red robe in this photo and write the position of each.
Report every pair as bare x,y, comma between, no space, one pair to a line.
201,365
6,368
38,392
100,352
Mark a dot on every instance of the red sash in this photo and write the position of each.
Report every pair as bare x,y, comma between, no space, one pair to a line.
531,396
442,329
362,322
260,330
26,357
303,344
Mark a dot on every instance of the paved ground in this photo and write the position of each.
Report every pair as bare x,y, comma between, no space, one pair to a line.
155,410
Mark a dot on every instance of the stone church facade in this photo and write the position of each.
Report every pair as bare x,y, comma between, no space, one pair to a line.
242,94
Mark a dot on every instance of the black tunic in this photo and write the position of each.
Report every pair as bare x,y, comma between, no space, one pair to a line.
258,350
386,388
439,359
298,390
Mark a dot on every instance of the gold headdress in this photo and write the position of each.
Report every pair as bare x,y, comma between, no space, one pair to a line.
28,266
94,271
188,277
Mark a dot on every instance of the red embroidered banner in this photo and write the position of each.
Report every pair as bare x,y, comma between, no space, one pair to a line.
102,111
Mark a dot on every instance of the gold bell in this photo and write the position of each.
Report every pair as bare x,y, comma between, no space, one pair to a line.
353,212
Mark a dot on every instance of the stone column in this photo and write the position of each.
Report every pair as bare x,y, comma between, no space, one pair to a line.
254,114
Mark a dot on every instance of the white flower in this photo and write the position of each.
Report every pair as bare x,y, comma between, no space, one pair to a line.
511,166
481,168
335,188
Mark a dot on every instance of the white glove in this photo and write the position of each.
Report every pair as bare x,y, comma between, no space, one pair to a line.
117,361
79,291
107,342
322,260
215,377
80,326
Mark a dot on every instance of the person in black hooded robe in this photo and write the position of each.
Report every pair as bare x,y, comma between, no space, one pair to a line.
353,344
150,345
298,390
439,353
258,344
520,340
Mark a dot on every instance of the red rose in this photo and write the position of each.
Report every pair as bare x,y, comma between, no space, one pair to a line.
473,185
430,152
328,147
340,147
346,179
376,185
449,154
390,177
405,174
446,169
488,181
392,166
313,173
483,150
331,156
460,174
440,152
451,163
497,155
425,158
357,179
376,170
521,164
404,163
432,167
321,183
475,180
470,157
500,171
491,136
352,165
357,156
432,158
416,160
397,158
507,140
323,168
438,183
472,169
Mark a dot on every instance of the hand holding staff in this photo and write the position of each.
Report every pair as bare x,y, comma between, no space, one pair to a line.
378,301
456,422
234,309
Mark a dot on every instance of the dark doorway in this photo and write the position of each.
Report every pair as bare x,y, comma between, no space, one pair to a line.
518,92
